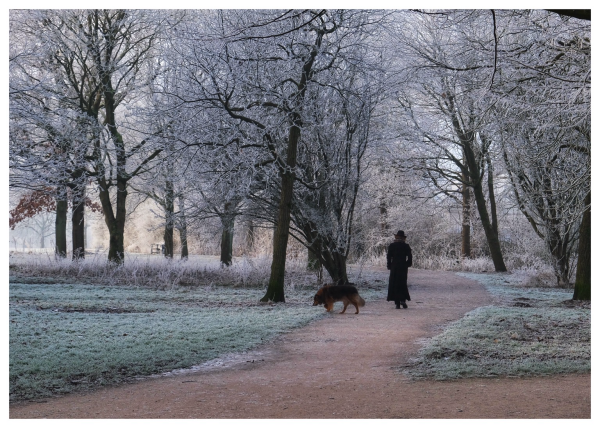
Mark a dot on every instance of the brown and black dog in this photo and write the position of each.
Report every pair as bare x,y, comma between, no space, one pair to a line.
329,294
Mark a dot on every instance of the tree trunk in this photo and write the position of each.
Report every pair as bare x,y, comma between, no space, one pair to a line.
78,223
335,265
313,249
184,241
227,220
44,225
116,251
169,208
250,237
183,229
168,238
556,239
275,291
465,250
490,234
476,172
313,263
322,253
280,239
227,244
494,240
492,193
114,223
60,226
583,278
490,227
557,246
383,217
384,225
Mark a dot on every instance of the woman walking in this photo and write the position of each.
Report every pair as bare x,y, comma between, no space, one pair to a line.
399,259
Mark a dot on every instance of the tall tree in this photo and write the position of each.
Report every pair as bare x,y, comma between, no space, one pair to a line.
259,69
117,45
583,279
544,111
443,107
100,59
332,167
544,183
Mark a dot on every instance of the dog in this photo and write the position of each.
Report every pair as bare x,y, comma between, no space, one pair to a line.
329,294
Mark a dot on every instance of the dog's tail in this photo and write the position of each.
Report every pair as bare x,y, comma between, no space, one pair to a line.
361,301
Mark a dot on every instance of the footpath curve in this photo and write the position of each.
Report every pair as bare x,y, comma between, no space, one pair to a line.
344,366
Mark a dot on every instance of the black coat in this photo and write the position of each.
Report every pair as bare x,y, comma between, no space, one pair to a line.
399,259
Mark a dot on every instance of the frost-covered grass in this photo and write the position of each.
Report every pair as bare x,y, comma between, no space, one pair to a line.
530,331
514,288
68,337
75,326
538,271
154,271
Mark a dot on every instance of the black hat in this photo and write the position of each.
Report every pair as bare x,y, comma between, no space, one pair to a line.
400,234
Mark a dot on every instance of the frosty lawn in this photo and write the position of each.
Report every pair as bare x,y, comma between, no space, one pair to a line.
66,337
530,332
69,337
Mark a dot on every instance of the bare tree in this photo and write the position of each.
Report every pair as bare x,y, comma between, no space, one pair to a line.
48,138
260,69
99,59
544,106
446,116
544,181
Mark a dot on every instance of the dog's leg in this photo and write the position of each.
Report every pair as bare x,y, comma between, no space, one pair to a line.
346,303
355,303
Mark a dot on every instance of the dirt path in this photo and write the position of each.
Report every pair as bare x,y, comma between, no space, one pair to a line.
341,367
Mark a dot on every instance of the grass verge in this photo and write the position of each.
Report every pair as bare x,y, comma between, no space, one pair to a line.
531,331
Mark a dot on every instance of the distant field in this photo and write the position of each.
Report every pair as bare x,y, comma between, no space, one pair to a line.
45,255
154,271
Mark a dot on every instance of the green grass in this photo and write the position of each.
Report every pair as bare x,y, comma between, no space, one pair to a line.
69,337
531,331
